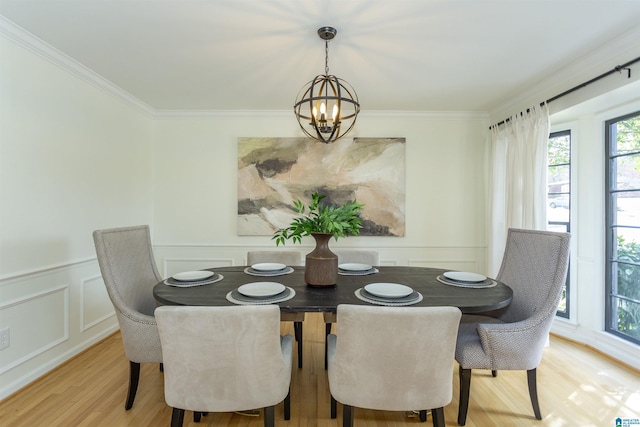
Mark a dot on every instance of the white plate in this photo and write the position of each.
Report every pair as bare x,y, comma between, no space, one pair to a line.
462,276
192,276
388,290
268,266
261,289
353,266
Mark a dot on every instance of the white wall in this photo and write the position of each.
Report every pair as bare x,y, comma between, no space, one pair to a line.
195,202
73,158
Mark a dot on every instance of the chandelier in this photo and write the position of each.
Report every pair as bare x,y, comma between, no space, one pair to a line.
326,93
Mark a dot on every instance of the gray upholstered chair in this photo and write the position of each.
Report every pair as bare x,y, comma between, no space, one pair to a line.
224,359
358,256
290,258
129,273
393,359
535,267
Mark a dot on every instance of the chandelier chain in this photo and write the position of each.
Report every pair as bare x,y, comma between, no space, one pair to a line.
326,57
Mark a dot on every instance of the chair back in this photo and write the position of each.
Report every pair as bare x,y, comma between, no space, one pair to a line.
393,358
359,256
223,359
128,268
290,258
535,266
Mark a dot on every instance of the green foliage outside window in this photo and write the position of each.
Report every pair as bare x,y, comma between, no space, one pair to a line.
628,286
624,185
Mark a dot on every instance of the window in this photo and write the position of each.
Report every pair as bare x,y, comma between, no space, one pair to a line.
559,196
622,142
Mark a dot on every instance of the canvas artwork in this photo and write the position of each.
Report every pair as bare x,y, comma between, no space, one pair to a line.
273,172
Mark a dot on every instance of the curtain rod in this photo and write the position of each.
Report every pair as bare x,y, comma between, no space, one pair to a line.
617,69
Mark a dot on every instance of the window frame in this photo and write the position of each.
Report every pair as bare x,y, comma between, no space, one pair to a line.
610,236
565,132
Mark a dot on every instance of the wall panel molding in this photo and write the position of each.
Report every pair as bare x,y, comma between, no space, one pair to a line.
46,345
93,281
53,313
47,269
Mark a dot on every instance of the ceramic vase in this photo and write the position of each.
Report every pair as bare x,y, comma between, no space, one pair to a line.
321,265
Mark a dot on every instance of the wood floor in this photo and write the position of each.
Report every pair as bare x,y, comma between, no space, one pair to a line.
577,387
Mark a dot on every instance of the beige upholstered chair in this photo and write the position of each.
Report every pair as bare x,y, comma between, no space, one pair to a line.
224,359
535,267
290,258
129,273
360,256
393,359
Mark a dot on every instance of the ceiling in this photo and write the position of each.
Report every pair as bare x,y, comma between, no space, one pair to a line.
422,55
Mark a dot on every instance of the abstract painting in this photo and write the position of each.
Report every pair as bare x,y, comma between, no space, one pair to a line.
273,172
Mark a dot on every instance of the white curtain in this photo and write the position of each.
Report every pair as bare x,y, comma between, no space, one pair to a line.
518,186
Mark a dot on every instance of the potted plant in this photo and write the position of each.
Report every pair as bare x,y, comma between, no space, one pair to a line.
321,221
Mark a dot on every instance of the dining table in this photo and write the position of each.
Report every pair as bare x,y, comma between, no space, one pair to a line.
427,283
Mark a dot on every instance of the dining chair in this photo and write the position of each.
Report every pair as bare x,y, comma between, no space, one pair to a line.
393,359
129,273
371,258
224,359
293,259
534,265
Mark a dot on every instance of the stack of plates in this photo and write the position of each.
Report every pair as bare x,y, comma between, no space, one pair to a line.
268,269
261,293
466,280
356,269
388,294
189,279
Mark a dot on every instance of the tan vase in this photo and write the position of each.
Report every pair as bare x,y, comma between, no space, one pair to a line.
321,265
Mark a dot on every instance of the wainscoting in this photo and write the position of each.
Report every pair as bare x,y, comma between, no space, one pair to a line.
52,314
56,312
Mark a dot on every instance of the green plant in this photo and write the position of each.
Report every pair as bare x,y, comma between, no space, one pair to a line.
339,221
628,285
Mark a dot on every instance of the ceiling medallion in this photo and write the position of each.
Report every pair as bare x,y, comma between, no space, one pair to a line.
327,106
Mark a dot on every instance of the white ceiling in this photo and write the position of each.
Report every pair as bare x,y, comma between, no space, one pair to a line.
422,55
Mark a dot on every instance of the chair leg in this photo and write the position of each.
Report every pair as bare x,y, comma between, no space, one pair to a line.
465,386
494,373
437,416
533,392
423,415
297,331
287,406
197,416
269,416
327,329
134,377
177,417
347,416
162,367
334,408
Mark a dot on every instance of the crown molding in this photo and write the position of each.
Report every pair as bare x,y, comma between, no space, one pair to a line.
605,57
25,39
424,115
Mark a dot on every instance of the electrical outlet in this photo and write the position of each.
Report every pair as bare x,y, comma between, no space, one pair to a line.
4,338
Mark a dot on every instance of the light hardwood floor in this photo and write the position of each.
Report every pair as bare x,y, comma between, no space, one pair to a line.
577,387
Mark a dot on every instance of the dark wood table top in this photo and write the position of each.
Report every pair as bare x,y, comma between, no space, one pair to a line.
310,299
